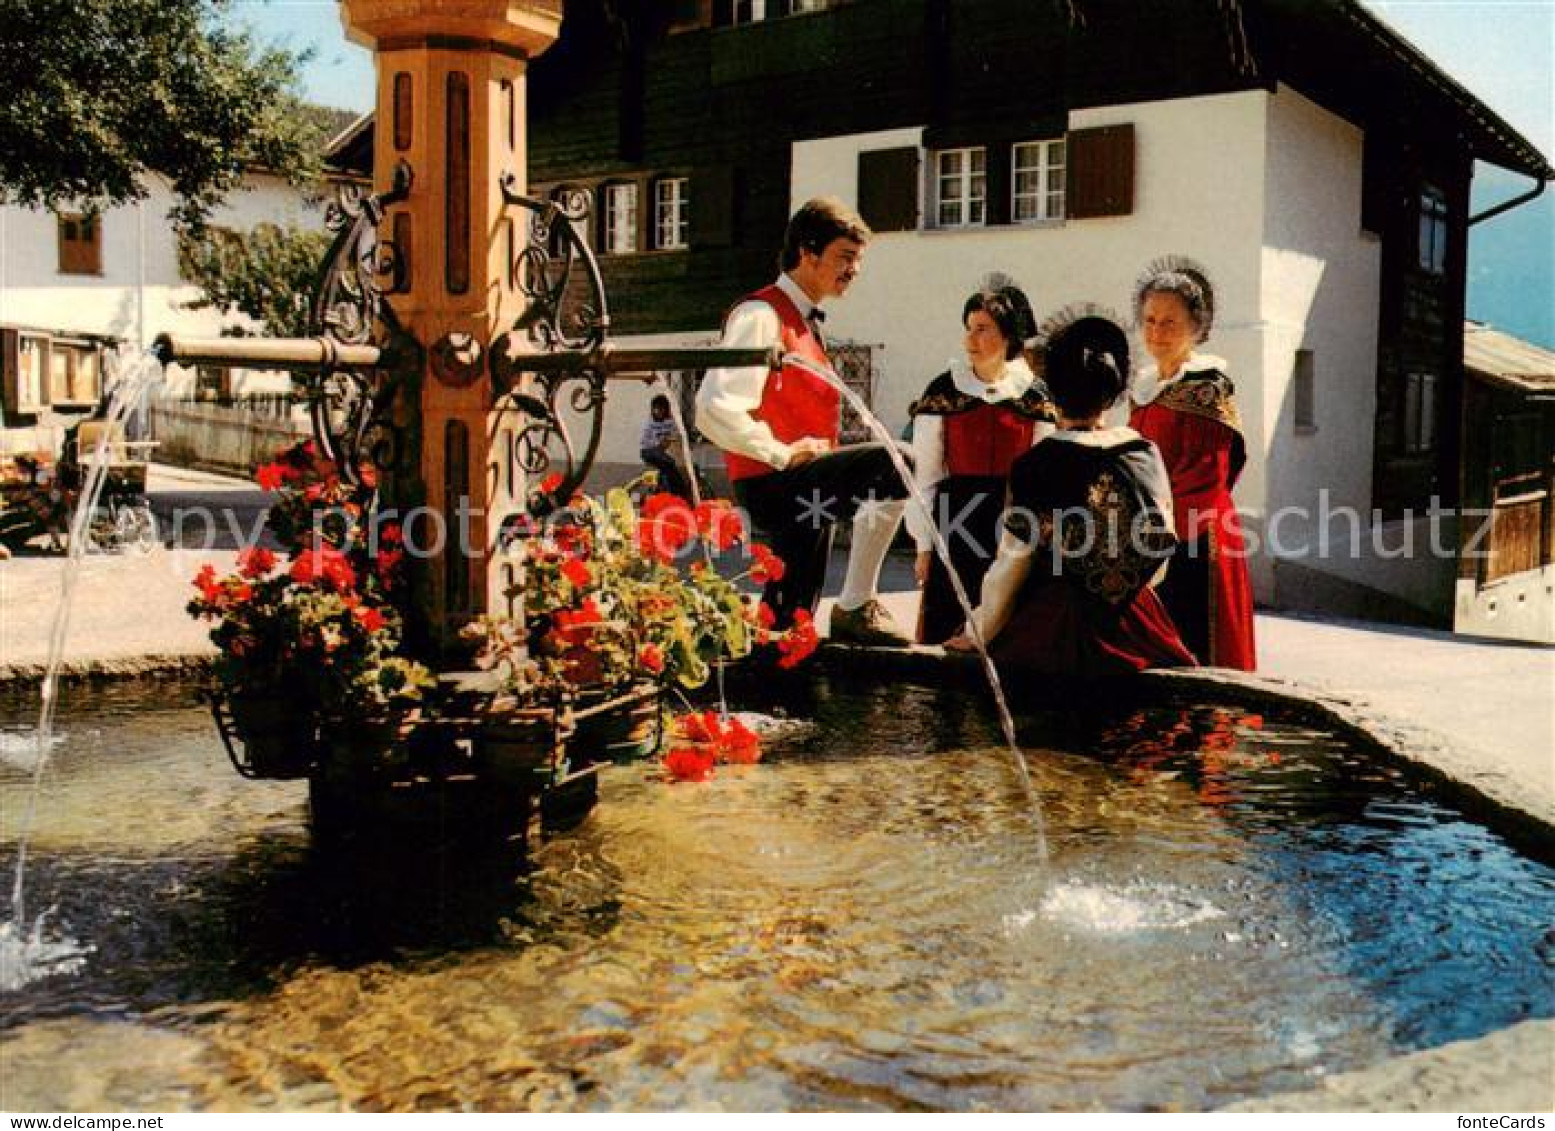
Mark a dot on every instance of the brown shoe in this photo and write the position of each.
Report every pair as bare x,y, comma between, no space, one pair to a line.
870,624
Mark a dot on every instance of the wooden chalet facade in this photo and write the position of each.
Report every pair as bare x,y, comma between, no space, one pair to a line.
1317,164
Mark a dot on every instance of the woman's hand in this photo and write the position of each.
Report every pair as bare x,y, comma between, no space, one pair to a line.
920,567
960,643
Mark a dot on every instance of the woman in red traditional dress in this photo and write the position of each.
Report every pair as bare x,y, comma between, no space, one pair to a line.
968,427
1087,530
1186,404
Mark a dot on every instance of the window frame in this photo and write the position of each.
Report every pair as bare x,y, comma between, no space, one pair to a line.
81,250
1421,409
619,228
672,230
1046,170
971,181
1434,231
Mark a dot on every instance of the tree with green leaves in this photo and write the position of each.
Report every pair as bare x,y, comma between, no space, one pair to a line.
101,95
267,274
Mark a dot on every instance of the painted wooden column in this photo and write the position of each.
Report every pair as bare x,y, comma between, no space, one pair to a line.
451,106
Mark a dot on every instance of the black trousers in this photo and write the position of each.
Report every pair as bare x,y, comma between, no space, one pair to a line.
671,478
797,512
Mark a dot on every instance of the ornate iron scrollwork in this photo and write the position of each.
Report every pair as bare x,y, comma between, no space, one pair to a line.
565,316
559,314
352,421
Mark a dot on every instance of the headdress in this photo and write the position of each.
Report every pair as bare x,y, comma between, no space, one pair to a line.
998,283
1179,275
1085,327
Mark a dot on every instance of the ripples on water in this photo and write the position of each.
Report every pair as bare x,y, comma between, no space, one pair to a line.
1233,908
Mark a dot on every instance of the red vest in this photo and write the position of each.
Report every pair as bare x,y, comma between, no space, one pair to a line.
985,440
794,403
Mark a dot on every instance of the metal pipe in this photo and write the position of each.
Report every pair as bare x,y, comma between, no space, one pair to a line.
1508,205
266,353
640,364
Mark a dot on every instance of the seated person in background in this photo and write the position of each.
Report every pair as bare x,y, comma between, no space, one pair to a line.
1088,528
657,446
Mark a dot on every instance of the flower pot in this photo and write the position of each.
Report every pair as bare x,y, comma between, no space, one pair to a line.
521,747
279,742
616,726
360,748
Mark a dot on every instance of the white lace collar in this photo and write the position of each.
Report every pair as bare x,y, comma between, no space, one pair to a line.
1148,384
1010,385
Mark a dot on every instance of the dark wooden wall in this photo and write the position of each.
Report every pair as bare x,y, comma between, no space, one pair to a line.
637,98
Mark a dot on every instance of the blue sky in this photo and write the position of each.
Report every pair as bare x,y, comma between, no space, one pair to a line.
1502,50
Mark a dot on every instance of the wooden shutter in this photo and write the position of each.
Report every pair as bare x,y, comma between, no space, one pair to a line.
711,199
1101,172
888,185
80,244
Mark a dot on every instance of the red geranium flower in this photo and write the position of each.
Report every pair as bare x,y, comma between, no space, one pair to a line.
651,657
573,626
576,570
327,565
739,745
719,523
799,641
368,474
667,525
369,618
551,482
768,567
387,563
272,475
699,727
689,763
205,581
256,561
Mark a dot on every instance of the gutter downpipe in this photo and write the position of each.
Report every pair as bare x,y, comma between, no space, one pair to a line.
1540,183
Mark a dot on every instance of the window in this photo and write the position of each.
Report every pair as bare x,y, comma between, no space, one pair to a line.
1037,181
620,219
75,377
670,218
961,187
754,11
1304,392
1433,230
80,244
1419,413
31,352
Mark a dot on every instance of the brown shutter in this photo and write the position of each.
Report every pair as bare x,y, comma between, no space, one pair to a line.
888,189
80,244
710,198
1101,172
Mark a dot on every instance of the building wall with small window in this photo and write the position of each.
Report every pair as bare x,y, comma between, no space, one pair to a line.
115,275
916,278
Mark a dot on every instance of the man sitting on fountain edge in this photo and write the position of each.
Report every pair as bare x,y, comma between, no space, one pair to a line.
779,431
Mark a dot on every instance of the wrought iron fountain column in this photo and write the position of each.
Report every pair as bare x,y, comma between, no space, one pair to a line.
451,117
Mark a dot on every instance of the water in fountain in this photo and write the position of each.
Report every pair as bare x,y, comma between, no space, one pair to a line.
24,953
942,549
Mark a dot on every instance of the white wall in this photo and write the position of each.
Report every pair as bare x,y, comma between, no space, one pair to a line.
1321,281
1198,190
139,293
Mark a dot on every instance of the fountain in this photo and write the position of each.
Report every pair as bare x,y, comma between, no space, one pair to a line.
462,334
846,928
